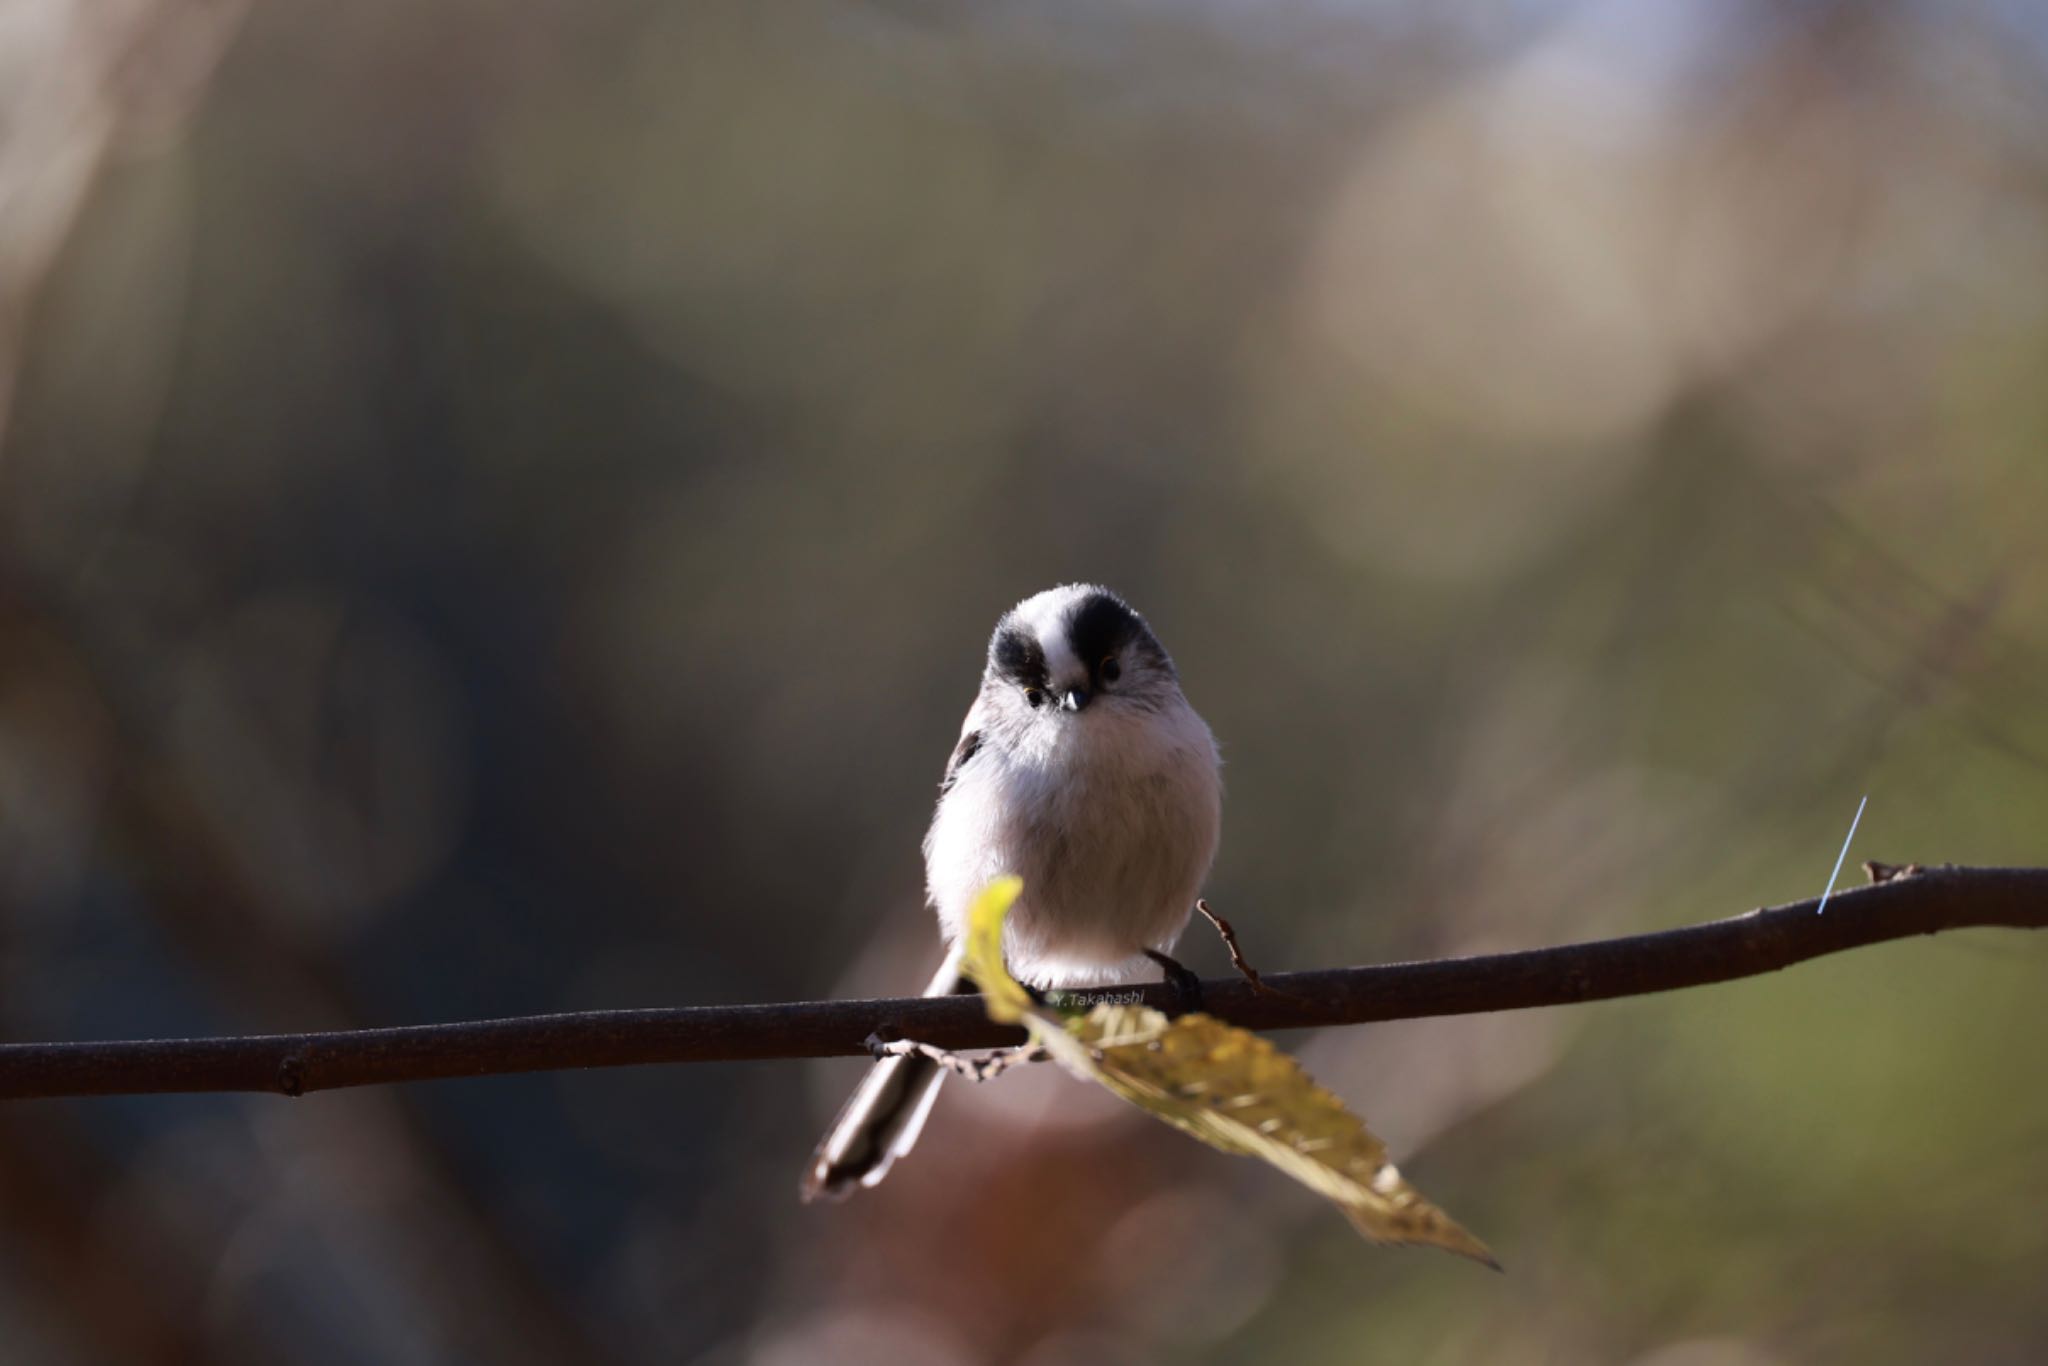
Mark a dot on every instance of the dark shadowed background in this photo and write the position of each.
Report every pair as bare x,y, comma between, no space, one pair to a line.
500,507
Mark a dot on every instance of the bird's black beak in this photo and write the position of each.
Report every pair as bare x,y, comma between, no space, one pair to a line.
1074,699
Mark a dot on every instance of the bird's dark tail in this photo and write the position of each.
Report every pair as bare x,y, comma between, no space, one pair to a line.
882,1119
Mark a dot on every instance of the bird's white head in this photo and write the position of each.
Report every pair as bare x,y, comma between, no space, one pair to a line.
1075,649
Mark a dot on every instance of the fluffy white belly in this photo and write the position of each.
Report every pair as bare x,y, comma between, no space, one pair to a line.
1112,839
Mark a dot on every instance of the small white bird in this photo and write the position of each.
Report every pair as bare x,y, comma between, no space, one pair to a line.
1081,769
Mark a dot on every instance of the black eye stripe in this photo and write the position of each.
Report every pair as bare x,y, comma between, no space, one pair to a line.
1100,625
1016,655
1102,628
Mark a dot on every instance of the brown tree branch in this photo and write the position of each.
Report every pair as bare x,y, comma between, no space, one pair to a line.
1898,904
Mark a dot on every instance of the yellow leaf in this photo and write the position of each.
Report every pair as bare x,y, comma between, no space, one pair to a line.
982,955
1235,1091
1227,1086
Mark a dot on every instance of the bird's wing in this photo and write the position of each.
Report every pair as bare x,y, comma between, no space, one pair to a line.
970,742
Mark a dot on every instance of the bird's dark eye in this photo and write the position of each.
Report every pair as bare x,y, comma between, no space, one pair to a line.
1110,670
1034,696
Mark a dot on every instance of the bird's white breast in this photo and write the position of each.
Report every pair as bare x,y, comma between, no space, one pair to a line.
1110,818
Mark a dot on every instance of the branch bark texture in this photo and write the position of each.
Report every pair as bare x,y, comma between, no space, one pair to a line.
1898,904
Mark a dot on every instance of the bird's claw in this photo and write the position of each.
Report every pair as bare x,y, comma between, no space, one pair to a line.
1185,986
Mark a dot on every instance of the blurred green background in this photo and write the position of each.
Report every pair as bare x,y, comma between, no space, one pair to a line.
499,512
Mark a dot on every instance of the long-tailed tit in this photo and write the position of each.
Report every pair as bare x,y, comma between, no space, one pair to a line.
1081,769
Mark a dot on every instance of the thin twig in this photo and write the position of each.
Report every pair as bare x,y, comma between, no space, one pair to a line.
1229,937
976,1068
1908,902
